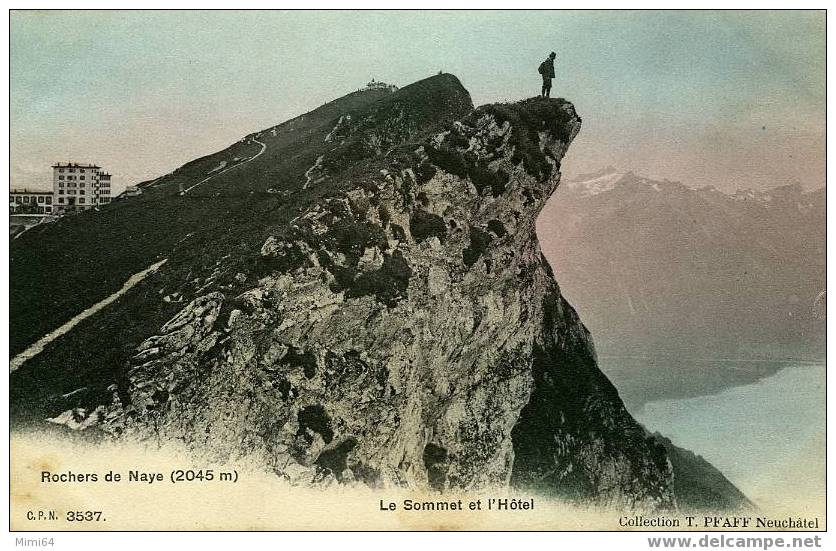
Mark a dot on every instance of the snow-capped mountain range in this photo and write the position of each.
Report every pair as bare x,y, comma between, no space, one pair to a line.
668,274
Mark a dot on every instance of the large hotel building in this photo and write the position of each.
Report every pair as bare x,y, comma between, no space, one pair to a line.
77,186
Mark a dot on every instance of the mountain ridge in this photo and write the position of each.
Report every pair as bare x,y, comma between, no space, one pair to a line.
612,175
376,310
675,279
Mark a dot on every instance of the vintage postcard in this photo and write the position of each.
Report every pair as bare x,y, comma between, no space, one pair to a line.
418,270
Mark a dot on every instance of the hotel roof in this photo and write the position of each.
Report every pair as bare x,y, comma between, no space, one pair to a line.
74,165
29,191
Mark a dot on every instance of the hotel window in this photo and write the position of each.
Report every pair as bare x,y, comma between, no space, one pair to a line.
40,199
61,200
81,192
49,200
60,184
81,184
60,192
81,201
72,170
60,170
61,177
81,177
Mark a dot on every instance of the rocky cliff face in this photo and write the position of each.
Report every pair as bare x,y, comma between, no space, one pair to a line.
388,319
408,332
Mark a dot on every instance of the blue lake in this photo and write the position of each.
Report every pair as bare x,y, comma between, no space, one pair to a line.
768,438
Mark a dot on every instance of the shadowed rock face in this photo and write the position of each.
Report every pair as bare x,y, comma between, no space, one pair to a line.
405,329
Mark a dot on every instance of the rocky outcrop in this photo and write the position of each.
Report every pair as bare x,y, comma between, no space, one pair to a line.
364,301
406,331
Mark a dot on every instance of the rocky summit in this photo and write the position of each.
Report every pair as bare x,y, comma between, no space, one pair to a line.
387,319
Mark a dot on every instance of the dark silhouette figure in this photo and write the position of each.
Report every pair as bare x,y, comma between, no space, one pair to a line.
547,70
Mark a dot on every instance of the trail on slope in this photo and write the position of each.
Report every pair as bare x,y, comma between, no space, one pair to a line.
263,149
39,346
41,221
309,172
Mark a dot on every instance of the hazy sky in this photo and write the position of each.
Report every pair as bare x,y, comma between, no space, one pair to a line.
731,99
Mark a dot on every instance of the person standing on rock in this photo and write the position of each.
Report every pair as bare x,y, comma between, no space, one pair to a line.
547,70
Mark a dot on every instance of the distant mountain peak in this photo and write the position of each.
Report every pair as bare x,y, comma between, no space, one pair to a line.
597,182
611,179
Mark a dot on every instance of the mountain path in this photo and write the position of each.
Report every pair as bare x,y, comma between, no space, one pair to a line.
41,221
263,149
39,346
309,172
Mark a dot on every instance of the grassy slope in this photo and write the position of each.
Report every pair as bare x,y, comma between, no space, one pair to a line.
60,269
65,267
